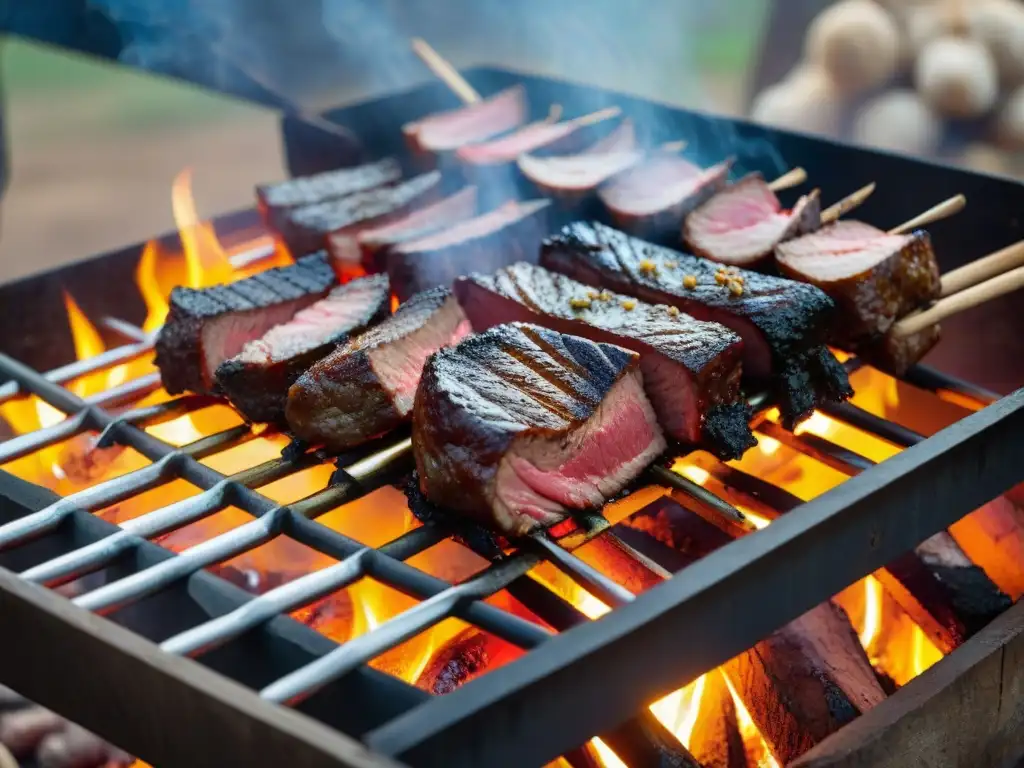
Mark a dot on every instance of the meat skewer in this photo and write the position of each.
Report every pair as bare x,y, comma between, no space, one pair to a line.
847,204
445,71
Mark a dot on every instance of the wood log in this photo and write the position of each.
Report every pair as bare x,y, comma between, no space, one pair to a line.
993,537
463,658
966,710
717,741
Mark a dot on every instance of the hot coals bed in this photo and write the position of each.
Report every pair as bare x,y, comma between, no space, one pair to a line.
165,528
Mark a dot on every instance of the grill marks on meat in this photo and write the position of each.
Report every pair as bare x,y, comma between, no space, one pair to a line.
520,425
508,234
206,326
653,198
366,387
743,223
337,223
691,369
782,322
446,131
256,381
275,200
579,173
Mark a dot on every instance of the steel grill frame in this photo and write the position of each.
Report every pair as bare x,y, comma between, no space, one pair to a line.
127,689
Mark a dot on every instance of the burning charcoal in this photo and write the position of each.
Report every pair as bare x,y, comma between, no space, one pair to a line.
74,747
716,741
84,459
331,616
463,658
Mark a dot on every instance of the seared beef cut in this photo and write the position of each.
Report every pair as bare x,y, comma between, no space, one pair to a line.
653,198
275,200
503,236
336,223
520,425
366,387
551,137
743,223
206,326
896,355
375,242
691,369
256,380
782,322
445,131
875,278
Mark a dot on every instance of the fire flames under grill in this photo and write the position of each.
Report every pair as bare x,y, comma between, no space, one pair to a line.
159,496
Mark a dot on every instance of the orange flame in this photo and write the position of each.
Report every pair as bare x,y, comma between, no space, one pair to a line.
207,262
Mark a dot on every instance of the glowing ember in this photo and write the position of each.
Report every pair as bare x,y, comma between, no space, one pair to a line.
756,747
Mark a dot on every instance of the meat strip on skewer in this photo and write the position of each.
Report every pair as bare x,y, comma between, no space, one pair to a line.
520,425
365,388
783,323
206,326
257,379
691,369
446,131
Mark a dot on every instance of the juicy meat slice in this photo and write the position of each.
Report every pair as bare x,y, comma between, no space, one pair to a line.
782,322
275,200
503,236
206,326
257,379
874,277
543,135
374,242
336,223
653,198
445,131
366,387
520,425
583,172
691,369
744,222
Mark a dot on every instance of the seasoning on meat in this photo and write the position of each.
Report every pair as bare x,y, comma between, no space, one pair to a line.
366,387
257,379
206,326
520,425
445,131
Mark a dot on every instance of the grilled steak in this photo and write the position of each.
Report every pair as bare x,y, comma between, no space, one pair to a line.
375,242
520,425
653,198
503,236
744,222
336,223
782,322
691,369
366,387
275,200
446,131
896,355
257,379
874,277
206,326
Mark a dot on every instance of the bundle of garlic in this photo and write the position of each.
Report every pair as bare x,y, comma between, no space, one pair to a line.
908,75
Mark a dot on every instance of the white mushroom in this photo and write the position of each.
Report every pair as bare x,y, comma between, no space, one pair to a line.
805,101
999,24
900,121
957,76
857,43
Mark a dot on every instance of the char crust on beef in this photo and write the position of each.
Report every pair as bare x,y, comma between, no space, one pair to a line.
520,425
206,326
275,200
508,234
335,224
365,388
783,323
445,131
256,380
896,355
691,369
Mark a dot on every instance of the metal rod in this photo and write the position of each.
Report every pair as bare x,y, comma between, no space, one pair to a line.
595,582
665,476
818,448
848,413
129,392
27,444
129,330
950,388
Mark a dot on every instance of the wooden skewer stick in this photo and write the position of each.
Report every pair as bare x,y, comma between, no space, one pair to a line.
847,204
793,178
959,302
596,117
673,147
943,210
445,71
983,269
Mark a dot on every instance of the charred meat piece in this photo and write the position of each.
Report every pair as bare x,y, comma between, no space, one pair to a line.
874,277
520,425
256,380
375,242
782,322
336,223
206,326
691,369
653,198
450,130
896,355
743,223
366,387
503,236
275,200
